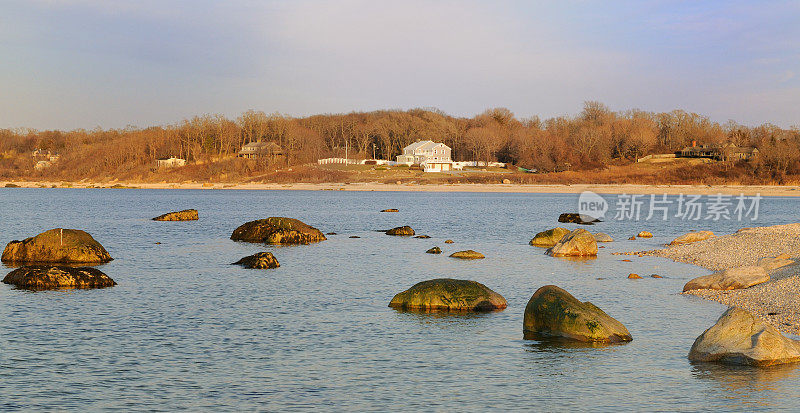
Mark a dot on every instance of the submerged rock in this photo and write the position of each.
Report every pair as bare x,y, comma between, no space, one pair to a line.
578,243
434,250
277,230
261,260
603,237
467,255
551,311
57,245
655,276
449,241
738,337
423,236
48,277
391,210
730,279
185,215
692,237
404,231
449,294
573,218
549,237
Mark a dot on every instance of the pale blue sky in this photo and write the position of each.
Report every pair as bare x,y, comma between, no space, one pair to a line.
86,63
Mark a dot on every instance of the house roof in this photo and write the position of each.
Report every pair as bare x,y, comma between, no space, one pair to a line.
424,145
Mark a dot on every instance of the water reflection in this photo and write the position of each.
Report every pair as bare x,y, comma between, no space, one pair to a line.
749,384
546,344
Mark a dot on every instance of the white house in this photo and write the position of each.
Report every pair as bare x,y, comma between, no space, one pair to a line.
171,162
432,156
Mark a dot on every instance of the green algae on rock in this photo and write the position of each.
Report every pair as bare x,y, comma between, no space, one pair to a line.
277,230
447,294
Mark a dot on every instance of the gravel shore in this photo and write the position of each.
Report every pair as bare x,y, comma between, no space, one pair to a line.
776,301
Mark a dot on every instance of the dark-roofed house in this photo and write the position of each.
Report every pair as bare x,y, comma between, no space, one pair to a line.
270,150
724,152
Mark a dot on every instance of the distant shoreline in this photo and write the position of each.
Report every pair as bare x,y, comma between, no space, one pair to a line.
764,190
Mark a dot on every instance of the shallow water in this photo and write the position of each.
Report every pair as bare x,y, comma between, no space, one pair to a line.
184,329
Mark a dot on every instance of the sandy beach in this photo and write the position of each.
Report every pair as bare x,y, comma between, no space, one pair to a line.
763,190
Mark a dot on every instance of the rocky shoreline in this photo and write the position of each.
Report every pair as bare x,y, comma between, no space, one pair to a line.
777,301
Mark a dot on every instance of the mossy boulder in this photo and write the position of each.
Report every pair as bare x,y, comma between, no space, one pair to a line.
549,238
740,338
553,312
578,243
57,246
185,215
259,261
449,295
690,237
48,277
277,230
404,231
467,255
434,250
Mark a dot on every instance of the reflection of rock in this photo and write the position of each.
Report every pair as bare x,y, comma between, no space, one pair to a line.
578,243
738,337
277,230
434,250
549,237
57,245
730,279
449,294
552,311
185,215
259,261
692,237
47,277
404,231
467,255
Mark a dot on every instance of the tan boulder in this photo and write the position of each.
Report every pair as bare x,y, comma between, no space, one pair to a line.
57,245
773,263
603,237
185,215
730,279
692,237
48,277
467,255
551,311
449,295
549,238
404,231
578,243
644,234
738,337
277,230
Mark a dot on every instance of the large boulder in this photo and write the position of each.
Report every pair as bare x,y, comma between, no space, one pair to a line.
185,215
578,243
259,261
467,255
277,230
449,294
553,312
603,237
692,237
773,263
57,245
573,218
549,238
730,279
404,231
738,337
48,277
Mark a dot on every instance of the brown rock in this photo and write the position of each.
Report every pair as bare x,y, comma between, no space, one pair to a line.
634,276
655,276
185,215
549,237
730,279
448,241
404,231
277,230
644,234
467,255
48,277
391,210
422,236
632,239
57,245
434,250
259,261
449,295
578,243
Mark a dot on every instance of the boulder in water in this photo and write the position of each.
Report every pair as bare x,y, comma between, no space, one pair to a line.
633,276
692,237
549,237
185,215
277,230
49,277
573,218
434,250
603,237
578,243
404,231
467,255
391,210
423,236
553,312
57,245
740,338
730,279
260,261
644,234
448,241
449,295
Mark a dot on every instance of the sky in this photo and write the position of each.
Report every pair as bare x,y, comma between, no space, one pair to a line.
67,64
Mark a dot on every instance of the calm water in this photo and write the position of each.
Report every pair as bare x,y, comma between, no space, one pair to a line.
185,330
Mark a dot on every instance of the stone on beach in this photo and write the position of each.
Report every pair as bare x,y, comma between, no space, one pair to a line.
48,277
467,255
277,230
554,312
603,237
578,243
549,237
730,279
57,245
740,338
404,231
692,237
259,261
185,215
449,295
773,263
